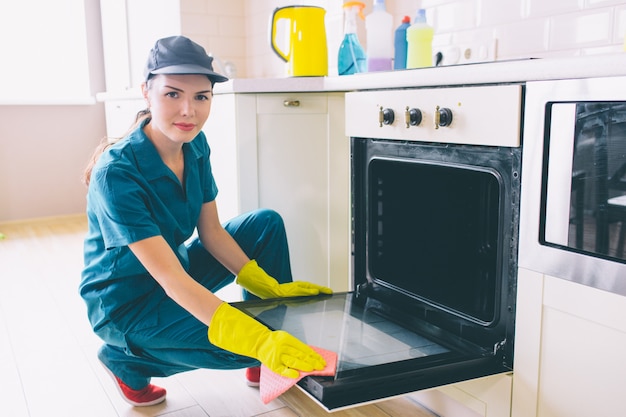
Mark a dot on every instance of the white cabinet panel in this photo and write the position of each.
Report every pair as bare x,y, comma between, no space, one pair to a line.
129,30
303,168
582,372
231,134
483,397
288,152
121,114
569,353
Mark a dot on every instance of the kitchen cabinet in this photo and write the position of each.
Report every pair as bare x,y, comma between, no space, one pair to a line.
483,397
231,134
569,354
288,152
129,30
121,114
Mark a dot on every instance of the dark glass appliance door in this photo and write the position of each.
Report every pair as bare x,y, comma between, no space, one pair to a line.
377,356
583,205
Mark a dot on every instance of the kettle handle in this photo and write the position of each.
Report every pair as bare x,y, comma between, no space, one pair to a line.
276,16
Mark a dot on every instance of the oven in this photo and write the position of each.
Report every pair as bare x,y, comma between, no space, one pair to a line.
574,186
435,185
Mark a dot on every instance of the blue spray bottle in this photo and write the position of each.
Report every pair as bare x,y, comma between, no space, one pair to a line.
351,57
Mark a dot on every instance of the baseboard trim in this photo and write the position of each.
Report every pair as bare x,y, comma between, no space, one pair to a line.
46,220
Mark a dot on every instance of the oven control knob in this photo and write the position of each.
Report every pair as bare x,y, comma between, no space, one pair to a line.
443,117
385,116
412,117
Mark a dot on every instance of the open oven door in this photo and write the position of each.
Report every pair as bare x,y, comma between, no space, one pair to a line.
381,352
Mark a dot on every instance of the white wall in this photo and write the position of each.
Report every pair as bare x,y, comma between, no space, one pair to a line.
238,30
43,149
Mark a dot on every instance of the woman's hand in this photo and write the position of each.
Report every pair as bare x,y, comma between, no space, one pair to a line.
233,330
254,279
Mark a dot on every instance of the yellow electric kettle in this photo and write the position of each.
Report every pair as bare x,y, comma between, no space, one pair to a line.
307,52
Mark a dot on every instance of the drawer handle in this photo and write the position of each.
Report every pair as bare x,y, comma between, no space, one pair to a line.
291,103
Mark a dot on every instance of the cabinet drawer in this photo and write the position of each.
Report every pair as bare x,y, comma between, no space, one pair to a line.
286,103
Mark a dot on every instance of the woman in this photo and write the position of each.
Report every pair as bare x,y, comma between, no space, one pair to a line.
148,285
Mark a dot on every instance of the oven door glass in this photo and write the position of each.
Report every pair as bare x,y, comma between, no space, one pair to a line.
584,191
380,352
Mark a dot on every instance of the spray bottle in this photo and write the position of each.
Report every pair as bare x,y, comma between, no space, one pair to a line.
351,57
379,29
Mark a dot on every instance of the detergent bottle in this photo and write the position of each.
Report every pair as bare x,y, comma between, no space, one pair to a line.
400,44
419,38
379,29
351,57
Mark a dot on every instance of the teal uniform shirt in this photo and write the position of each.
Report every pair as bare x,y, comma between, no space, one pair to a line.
132,196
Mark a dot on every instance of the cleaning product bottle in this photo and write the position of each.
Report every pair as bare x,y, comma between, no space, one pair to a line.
379,29
400,44
351,57
419,38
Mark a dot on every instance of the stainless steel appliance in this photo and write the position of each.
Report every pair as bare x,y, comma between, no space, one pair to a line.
435,210
574,181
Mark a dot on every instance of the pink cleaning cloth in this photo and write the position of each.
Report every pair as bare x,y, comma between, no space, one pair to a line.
272,385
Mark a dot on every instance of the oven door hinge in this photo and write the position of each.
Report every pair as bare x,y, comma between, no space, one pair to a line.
498,346
363,290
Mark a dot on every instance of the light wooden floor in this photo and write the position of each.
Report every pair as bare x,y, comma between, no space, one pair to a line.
48,363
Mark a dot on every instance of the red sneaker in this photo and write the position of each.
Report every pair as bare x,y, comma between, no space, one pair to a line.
149,395
253,376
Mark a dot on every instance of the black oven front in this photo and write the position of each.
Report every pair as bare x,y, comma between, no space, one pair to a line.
434,262
435,233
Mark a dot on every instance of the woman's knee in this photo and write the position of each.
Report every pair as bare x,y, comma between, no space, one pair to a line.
269,216
260,232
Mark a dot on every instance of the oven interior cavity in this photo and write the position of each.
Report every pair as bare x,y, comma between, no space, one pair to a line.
434,231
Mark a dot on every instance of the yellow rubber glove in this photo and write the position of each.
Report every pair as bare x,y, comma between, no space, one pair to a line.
254,279
239,333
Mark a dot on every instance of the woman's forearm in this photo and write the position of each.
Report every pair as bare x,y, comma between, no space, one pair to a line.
218,241
163,265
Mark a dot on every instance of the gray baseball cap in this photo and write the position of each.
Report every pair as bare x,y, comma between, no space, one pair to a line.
180,55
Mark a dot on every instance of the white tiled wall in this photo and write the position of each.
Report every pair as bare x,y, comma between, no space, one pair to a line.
219,26
237,30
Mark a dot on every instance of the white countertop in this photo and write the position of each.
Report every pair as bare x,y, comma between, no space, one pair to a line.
483,73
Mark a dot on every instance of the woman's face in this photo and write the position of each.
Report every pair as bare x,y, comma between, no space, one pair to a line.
179,106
